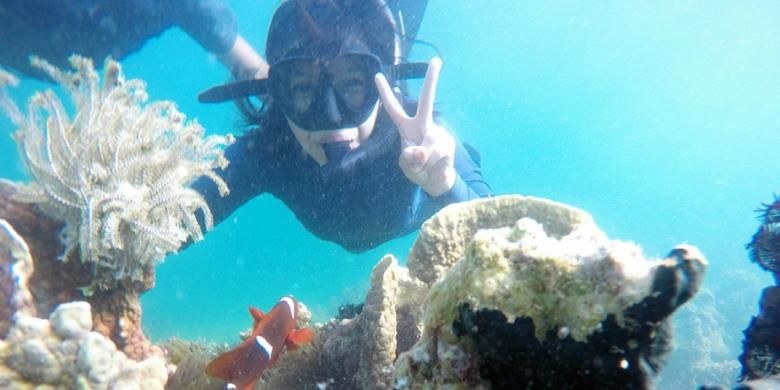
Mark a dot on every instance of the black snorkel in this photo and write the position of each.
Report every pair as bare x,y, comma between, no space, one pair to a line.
341,161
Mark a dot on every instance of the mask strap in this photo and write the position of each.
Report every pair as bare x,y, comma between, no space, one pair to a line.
236,90
259,87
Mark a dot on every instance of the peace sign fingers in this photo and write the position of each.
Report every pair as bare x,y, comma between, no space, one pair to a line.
428,92
412,130
428,149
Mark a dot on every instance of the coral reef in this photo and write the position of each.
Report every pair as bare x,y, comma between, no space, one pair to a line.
53,281
346,354
294,369
117,173
567,303
110,195
551,294
116,312
63,352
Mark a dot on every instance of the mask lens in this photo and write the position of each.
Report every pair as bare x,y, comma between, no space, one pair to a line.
296,83
352,77
311,90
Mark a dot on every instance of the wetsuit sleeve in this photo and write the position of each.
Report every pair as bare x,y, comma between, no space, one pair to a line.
469,184
246,177
212,23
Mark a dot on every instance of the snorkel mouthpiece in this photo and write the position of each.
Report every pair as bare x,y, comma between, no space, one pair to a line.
343,161
335,153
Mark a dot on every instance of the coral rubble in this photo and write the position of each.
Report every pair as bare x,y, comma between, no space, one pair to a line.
117,173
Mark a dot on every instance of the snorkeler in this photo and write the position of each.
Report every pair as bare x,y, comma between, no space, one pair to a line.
55,30
356,160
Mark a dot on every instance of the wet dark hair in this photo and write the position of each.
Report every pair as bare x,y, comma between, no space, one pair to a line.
325,28
321,28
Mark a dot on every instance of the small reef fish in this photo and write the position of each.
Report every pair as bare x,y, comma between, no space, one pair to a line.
271,332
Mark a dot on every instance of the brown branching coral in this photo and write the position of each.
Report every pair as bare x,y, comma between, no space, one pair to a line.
117,172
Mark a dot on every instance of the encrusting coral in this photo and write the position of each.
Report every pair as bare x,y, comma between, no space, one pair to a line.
566,302
576,279
117,172
443,238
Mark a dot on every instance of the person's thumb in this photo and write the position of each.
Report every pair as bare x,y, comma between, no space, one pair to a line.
413,159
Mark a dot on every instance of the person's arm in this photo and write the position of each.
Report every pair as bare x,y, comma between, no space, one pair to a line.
213,24
243,61
469,182
245,177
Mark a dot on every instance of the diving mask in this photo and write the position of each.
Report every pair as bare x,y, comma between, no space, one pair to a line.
326,94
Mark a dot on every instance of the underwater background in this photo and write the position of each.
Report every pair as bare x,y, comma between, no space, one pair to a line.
659,118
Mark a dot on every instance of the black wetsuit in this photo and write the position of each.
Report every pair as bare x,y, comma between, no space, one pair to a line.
55,29
359,210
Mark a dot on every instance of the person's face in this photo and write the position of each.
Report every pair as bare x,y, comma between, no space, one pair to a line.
328,100
326,94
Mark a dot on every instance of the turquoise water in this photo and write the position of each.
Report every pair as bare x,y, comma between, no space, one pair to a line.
661,119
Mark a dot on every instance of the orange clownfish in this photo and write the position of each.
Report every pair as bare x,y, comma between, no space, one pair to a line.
271,332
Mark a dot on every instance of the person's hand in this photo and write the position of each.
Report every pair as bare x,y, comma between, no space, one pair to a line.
428,149
244,62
